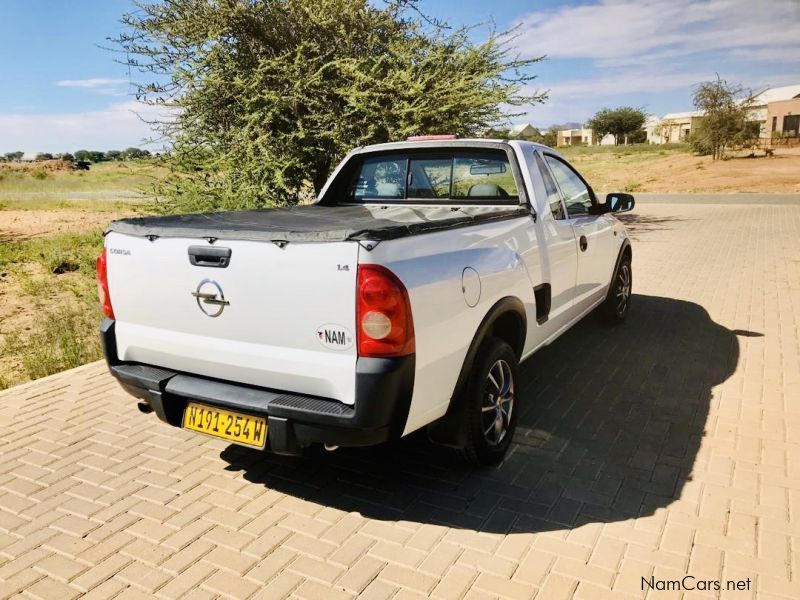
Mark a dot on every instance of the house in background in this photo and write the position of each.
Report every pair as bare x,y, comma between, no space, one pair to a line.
652,130
771,105
575,137
778,111
583,136
524,131
678,126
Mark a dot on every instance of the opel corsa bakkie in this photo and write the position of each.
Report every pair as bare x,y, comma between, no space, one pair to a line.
404,297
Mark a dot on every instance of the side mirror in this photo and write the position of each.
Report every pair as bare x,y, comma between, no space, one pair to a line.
619,202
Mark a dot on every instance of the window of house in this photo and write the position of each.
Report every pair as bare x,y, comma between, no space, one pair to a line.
791,124
774,123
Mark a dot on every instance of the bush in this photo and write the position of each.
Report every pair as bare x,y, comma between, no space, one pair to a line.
65,339
701,143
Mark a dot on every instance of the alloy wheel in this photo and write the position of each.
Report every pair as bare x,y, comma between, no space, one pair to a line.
623,290
498,402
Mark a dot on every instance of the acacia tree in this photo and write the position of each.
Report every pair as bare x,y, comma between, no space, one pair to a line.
266,96
620,122
726,117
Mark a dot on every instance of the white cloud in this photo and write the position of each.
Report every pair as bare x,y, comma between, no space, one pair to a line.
108,86
652,48
91,83
118,126
627,81
619,32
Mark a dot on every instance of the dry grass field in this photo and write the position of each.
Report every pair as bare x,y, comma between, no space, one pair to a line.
674,169
51,224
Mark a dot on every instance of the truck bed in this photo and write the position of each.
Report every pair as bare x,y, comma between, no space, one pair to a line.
316,223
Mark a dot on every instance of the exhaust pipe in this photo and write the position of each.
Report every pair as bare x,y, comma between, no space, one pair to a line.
144,407
331,447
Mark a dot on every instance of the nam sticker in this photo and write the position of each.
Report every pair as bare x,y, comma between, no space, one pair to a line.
334,337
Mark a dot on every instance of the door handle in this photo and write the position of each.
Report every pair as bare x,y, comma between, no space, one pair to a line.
584,243
205,256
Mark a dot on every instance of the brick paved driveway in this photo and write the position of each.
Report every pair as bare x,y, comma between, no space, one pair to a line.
662,448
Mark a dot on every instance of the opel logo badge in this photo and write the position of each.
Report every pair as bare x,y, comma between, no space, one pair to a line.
210,298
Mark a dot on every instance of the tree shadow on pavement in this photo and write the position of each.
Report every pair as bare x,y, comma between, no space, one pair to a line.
610,424
637,223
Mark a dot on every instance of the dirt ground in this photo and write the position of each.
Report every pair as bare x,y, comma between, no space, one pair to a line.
21,225
686,173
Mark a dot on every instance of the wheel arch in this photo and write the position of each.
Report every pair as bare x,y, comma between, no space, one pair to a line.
506,320
625,250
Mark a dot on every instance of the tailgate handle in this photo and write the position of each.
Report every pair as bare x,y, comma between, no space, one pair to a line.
204,256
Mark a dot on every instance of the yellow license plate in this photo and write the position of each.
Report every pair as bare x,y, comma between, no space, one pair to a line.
221,423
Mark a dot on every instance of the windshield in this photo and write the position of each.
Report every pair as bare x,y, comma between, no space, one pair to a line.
464,177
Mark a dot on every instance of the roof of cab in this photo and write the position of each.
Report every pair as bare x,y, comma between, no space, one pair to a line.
457,143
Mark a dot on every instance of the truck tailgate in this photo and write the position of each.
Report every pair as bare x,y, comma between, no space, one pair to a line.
280,316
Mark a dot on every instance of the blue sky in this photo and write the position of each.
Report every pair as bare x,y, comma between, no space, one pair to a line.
60,91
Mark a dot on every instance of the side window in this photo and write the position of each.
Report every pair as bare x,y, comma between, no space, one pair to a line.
576,194
553,196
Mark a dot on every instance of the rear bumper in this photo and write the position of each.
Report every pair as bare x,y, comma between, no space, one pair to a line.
383,397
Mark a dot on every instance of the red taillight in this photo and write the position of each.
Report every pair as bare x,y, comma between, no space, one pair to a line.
383,314
102,285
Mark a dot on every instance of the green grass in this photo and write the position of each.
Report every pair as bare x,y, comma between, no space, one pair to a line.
633,149
621,155
125,176
58,202
632,186
57,254
65,338
55,278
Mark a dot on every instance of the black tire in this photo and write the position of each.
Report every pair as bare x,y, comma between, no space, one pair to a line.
617,304
485,406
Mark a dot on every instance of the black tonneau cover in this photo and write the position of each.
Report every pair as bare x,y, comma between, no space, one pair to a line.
317,223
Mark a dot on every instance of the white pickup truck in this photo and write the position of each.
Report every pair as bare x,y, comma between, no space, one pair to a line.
405,297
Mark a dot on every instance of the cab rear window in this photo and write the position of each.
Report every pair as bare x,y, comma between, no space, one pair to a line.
481,177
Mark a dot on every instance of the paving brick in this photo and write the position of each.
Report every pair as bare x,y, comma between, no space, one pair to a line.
312,568
230,560
187,582
378,590
229,585
101,572
60,567
504,588
455,583
109,588
191,554
360,574
142,577
312,590
351,550
280,587
408,578
52,589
